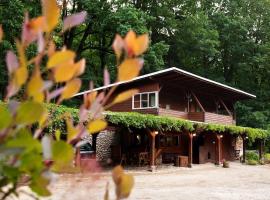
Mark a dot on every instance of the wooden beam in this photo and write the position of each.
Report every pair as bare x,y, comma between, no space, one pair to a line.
190,149
226,108
152,135
197,100
218,149
244,148
260,149
94,142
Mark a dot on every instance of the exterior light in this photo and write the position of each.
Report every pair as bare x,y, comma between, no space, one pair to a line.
214,142
246,137
156,132
194,134
221,136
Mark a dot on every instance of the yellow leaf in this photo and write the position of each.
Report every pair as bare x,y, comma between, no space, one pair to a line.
129,69
141,44
64,72
43,118
117,172
71,130
96,126
60,57
125,95
126,184
72,87
57,134
20,76
51,12
21,52
1,33
35,85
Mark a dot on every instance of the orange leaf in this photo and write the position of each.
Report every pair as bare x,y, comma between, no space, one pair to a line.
21,52
129,69
80,67
37,24
141,44
89,99
72,87
96,126
126,184
125,95
51,12
51,48
35,85
64,72
1,33
60,57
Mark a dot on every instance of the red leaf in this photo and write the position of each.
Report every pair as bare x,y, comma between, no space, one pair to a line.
74,20
12,62
106,77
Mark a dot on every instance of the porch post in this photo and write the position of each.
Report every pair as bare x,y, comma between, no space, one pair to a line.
218,149
244,149
260,149
190,149
153,149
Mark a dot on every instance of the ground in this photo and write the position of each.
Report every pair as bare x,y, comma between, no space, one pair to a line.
202,182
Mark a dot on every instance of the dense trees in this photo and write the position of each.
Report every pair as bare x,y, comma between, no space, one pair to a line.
225,40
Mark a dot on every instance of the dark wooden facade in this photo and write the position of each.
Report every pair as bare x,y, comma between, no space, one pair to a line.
183,95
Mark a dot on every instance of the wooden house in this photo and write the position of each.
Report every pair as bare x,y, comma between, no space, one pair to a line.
180,94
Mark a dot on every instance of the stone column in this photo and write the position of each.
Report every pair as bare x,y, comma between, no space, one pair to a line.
218,149
153,150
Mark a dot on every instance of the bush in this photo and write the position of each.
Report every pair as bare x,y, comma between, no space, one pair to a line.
252,162
251,155
267,158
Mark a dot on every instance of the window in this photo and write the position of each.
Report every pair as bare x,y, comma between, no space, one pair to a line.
145,100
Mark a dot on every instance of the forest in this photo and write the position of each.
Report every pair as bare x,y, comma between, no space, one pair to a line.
224,40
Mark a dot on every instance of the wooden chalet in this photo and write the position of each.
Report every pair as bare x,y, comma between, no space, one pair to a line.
180,94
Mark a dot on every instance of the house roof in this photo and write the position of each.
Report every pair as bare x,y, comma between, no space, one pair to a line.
177,71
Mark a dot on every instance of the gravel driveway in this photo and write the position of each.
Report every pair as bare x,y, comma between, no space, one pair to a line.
198,183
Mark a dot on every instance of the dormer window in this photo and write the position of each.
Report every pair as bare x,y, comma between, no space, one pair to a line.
145,100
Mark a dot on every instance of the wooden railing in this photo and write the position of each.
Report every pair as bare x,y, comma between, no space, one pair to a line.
198,116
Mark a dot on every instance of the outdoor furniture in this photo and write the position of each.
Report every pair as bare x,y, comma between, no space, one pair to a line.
143,158
181,161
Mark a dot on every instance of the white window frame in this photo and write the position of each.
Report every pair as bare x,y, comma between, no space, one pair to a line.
148,107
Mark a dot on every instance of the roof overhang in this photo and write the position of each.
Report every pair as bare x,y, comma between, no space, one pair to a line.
176,71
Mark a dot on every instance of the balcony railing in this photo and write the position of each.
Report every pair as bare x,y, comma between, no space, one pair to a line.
198,116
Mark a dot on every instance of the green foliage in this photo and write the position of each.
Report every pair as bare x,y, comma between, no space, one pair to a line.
252,162
251,155
267,158
140,121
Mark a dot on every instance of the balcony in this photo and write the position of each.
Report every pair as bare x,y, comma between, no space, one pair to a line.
198,116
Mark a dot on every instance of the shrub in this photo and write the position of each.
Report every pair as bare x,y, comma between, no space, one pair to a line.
252,162
251,155
267,158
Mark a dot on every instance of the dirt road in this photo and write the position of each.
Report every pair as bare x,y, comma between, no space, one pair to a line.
202,182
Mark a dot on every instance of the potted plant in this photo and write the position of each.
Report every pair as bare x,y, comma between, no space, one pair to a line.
225,164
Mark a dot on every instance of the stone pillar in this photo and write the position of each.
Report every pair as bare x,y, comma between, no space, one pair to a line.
190,149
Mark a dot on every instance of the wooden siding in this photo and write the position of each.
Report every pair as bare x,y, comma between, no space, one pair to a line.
172,113
217,118
196,116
